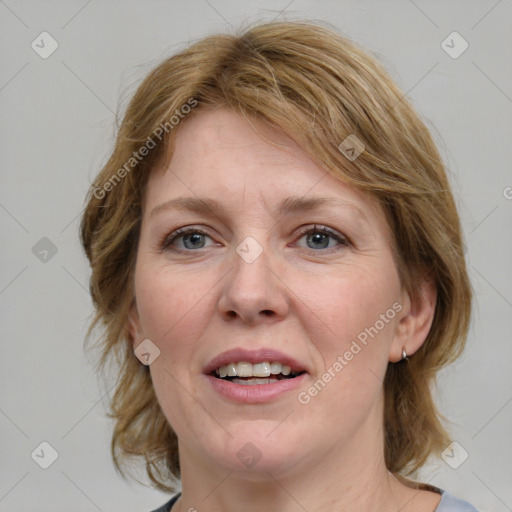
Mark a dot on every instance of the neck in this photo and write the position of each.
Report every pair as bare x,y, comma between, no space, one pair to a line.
347,477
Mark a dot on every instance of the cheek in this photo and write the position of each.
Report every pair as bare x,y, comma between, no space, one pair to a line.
354,318
172,307
351,307
171,304
344,324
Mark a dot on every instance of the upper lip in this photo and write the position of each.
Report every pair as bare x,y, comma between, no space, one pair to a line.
253,356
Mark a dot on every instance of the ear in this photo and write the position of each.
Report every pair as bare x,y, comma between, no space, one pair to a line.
134,326
415,319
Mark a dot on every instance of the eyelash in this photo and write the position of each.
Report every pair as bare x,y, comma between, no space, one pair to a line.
167,240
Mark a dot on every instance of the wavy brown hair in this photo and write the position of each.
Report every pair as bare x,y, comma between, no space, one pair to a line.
318,87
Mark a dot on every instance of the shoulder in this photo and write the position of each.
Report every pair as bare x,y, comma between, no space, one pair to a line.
447,503
450,503
166,507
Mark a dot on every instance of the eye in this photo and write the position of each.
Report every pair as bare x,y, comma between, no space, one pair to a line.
318,238
191,238
194,238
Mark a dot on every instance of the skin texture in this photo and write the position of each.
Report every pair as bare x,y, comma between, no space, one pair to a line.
306,296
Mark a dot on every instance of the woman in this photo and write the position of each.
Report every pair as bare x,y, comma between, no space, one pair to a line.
278,267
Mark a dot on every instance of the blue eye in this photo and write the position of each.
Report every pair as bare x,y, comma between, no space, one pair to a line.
192,238
319,238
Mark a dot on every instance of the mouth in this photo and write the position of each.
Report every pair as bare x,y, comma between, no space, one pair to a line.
254,375
251,374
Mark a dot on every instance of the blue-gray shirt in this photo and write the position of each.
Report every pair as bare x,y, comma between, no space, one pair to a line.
448,503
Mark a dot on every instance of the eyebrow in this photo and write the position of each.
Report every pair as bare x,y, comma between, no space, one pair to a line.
289,205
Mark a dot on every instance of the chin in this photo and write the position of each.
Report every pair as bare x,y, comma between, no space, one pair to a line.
255,454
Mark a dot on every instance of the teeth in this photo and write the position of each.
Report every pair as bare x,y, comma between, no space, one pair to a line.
254,382
261,370
245,369
275,368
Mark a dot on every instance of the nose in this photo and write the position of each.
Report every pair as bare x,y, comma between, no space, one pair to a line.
253,291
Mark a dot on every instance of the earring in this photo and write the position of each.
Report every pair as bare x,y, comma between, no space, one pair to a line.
404,354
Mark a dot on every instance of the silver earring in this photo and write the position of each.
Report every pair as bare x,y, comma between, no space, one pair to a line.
404,354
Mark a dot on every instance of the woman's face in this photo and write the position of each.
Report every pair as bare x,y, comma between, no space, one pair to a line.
291,266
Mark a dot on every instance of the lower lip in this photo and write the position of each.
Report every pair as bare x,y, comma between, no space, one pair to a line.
255,393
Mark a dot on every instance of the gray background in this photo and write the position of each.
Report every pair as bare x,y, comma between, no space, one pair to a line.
57,127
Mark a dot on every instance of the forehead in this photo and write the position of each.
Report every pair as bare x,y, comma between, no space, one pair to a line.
219,154
222,143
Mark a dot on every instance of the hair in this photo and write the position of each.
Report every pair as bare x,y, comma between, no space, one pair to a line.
318,87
